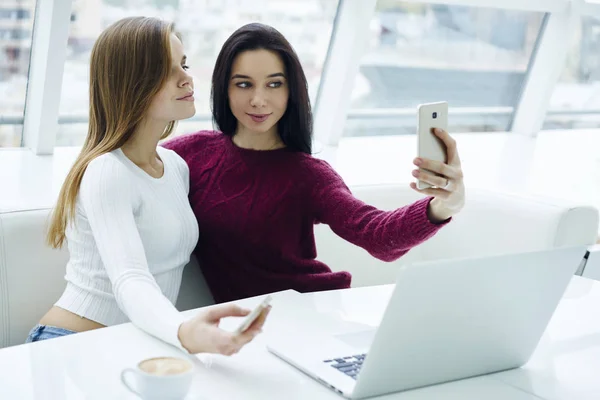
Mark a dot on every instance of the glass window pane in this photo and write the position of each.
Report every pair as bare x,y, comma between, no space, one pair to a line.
16,28
474,58
204,25
575,102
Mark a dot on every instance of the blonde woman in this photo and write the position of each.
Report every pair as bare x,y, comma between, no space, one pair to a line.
123,209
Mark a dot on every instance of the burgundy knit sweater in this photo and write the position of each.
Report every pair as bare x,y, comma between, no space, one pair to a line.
256,211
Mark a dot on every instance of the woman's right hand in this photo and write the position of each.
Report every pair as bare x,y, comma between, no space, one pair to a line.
202,334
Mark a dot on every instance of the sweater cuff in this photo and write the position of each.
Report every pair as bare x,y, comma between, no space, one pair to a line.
423,227
171,332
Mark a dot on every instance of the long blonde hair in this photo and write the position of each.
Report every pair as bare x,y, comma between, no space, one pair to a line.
130,62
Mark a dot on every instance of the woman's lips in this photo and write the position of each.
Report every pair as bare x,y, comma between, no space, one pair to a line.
187,97
259,117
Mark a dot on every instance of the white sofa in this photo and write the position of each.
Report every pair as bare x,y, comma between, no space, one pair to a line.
31,274
491,223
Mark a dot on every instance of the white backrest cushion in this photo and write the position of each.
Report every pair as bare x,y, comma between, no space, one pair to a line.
194,291
31,273
32,276
491,223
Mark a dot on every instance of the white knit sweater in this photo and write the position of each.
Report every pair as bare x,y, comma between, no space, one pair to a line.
131,237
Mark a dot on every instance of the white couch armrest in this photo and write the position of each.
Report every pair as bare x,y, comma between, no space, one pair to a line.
491,223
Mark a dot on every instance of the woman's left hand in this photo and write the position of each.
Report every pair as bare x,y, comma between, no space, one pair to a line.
449,192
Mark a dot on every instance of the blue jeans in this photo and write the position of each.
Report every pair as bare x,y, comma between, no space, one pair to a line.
43,332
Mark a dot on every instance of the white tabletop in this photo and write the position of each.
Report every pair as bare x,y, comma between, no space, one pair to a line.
88,365
566,364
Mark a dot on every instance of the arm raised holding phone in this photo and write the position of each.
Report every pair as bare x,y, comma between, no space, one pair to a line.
439,172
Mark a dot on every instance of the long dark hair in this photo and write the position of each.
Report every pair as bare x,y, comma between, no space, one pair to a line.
295,126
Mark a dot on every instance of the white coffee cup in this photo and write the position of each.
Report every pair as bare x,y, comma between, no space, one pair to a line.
167,378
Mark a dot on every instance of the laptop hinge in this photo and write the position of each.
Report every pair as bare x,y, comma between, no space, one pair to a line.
582,264
590,265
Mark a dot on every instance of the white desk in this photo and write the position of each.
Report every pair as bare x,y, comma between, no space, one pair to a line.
566,364
88,365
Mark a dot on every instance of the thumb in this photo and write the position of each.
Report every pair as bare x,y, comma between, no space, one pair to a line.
215,313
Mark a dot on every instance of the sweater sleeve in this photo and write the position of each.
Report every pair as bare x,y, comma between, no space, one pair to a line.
186,145
386,235
182,168
179,144
107,199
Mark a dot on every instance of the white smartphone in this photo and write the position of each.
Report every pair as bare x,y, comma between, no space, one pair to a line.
250,318
430,116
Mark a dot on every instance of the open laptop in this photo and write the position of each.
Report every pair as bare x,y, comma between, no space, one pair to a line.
445,320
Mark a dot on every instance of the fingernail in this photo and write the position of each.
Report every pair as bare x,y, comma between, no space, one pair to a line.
438,130
415,173
418,161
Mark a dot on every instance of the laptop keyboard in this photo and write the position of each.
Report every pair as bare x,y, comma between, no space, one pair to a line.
348,365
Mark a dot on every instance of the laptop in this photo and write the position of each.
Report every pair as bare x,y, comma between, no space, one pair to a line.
445,320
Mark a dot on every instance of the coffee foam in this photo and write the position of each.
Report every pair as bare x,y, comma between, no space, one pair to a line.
164,366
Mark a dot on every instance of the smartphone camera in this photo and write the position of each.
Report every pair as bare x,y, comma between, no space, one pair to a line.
434,115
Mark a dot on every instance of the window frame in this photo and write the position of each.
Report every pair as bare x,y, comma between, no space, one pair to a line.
46,65
332,106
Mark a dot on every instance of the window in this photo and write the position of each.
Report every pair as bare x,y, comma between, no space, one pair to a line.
16,29
575,102
204,26
15,13
474,58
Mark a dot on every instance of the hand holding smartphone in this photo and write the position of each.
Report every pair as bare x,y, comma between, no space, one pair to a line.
431,116
250,318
